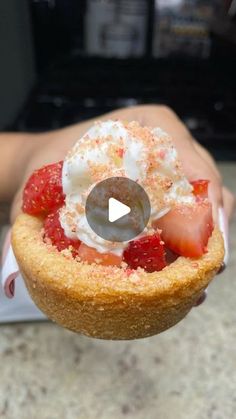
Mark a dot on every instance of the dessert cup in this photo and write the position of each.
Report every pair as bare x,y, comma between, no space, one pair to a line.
108,302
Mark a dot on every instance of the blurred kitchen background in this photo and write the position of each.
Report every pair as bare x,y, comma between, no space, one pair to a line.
63,61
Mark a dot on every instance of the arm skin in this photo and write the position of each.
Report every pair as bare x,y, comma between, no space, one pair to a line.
23,153
15,151
19,151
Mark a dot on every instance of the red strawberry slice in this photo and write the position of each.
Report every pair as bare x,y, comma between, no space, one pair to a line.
43,190
187,228
55,233
200,188
147,253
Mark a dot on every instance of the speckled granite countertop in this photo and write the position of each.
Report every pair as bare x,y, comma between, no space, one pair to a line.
188,372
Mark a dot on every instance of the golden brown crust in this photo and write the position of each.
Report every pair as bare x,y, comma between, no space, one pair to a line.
106,302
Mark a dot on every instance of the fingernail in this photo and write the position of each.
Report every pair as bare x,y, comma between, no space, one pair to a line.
222,268
201,299
224,228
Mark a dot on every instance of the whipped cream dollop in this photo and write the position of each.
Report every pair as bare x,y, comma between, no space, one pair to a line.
115,148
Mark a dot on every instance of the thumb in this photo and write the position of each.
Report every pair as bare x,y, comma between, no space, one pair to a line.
196,167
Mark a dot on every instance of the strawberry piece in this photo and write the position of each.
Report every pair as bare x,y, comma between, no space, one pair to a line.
187,228
43,190
147,253
91,255
54,232
200,188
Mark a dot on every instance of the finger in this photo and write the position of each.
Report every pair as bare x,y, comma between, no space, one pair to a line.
207,157
222,200
225,212
195,167
16,206
215,194
229,202
215,187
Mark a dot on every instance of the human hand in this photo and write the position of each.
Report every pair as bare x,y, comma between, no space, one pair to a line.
197,162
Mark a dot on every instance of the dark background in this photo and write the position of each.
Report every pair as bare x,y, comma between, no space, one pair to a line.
54,78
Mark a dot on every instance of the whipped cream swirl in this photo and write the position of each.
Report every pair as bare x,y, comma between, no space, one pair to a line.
114,148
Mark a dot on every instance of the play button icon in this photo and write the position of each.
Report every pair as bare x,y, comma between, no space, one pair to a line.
117,209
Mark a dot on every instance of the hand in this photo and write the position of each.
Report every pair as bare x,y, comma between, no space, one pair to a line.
197,162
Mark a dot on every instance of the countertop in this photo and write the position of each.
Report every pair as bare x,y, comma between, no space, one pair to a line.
188,372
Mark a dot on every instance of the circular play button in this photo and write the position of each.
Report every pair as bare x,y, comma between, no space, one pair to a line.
118,209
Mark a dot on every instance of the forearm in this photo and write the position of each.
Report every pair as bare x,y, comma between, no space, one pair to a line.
15,150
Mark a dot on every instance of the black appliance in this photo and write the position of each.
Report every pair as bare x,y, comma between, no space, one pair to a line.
73,86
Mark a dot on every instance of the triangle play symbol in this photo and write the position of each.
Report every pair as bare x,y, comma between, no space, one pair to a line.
116,210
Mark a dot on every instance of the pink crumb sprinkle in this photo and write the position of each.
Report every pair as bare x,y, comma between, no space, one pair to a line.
120,152
162,154
129,271
195,265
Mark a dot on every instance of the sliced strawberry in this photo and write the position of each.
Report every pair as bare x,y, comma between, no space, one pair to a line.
187,228
91,255
43,190
200,188
54,232
147,253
